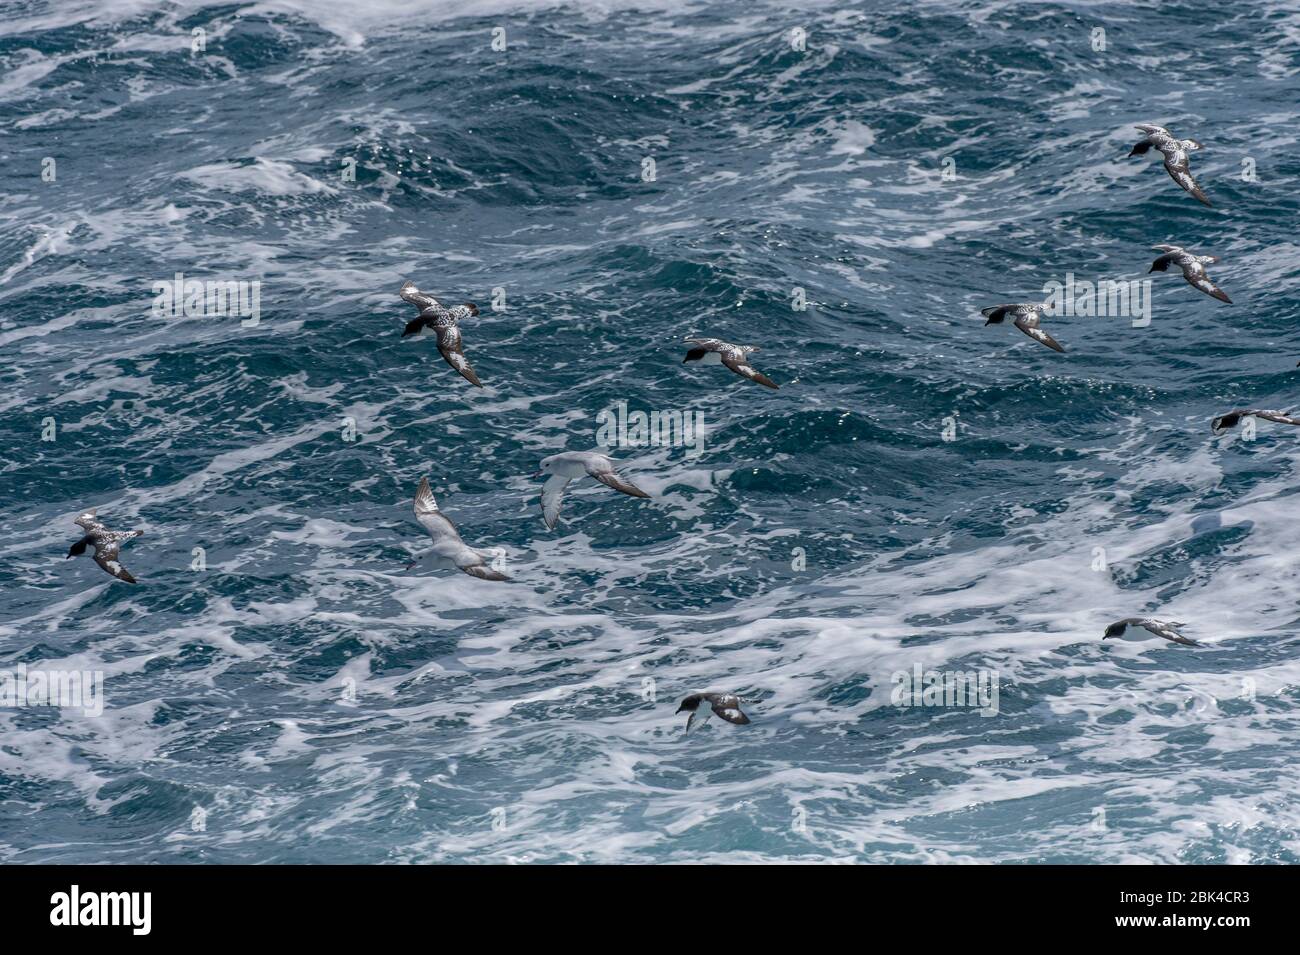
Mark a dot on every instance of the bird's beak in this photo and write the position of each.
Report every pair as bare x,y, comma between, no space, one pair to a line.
538,474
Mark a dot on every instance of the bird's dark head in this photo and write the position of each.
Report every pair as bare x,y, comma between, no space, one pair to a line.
413,328
691,703
695,354
77,549
1225,421
1115,630
473,309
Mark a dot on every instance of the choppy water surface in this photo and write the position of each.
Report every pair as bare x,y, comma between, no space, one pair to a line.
317,703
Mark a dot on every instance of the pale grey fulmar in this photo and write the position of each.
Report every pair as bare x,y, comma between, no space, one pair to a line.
567,465
448,550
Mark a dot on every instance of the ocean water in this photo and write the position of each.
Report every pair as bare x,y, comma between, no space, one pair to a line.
923,493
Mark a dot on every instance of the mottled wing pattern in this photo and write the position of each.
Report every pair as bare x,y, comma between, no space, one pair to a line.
708,344
1182,174
738,362
106,550
1029,325
410,293
727,706
1197,278
1167,631
1280,417
449,344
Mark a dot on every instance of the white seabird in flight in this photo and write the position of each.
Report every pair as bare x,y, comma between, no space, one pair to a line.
566,466
448,549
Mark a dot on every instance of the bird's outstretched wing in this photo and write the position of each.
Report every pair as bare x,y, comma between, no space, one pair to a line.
738,363
1029,325
1167,631
1182,174
438,524
482,571
419,299
449,344
611,478
1278,416
1200,281
552,493
462,312
106,551
730,713
702,713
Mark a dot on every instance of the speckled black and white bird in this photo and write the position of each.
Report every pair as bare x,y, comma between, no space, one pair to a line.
1166,630
1026,316
448,550
106,543
1230,420
566,466
1175,152
1193,267
714,351
726,705
442,322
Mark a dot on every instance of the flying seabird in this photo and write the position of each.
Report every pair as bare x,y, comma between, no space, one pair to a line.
1175,152
434,319
1166,630
726,705
106,543
1231,419
448,549
714,351
1026,316
1193,267
566,466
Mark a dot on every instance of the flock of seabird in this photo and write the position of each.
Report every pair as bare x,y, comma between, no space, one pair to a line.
451,552
1027,316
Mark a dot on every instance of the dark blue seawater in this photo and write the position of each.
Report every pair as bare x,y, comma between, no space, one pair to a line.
922,491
